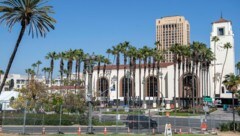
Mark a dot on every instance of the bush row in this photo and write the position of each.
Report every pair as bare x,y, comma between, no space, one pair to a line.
229,126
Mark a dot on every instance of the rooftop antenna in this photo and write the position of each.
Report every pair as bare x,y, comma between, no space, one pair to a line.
221,15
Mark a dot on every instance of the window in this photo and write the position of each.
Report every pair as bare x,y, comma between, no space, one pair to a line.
220,31
223,90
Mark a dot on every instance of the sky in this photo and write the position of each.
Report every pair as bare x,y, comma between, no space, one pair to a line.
96,25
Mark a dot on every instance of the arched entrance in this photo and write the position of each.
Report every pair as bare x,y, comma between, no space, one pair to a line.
126,89
103,87
152,86
188,89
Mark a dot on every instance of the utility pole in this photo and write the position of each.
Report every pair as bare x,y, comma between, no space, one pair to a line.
89,61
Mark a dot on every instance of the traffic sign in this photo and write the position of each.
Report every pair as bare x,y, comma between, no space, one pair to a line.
207,99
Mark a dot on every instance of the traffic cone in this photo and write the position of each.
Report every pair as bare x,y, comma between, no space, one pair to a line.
43,131
105,131
79,130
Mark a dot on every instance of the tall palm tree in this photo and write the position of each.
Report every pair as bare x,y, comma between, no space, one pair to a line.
32,13
238,68
215,39
146,52
79,56
226,46
69,56
158,57
175,50
124,47
132,53
38,64
52,56
116,52
232,82
99,59
186,53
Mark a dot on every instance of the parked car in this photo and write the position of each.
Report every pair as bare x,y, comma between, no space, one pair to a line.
141,121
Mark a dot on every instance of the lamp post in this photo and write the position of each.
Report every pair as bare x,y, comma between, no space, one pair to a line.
89,62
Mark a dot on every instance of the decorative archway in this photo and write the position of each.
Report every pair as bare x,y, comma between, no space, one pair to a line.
188,87
103,87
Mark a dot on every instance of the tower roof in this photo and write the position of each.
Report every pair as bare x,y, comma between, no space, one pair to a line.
221,20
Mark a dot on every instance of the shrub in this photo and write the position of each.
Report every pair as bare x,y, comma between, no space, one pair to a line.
224,127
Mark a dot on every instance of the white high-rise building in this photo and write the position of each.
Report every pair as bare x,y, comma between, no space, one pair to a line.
223,30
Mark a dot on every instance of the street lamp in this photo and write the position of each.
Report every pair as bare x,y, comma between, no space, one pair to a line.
89,63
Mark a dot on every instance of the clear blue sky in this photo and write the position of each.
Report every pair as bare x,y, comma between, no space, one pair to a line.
96,25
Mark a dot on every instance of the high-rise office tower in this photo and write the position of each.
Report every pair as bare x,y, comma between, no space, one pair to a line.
171,30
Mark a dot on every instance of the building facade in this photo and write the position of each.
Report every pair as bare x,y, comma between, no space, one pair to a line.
171,30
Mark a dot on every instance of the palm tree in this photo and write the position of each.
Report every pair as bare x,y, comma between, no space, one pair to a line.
52,56
132,54
124,47
146,52
226,46
215,39
61,55
69,56
231,83
34,65
175,50
30,13
116,52
158,57
38,64
238,68
99,59
79,54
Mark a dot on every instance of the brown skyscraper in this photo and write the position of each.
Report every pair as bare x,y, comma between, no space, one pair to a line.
171,30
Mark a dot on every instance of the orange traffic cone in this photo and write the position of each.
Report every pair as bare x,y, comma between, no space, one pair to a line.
79,130
43,131
105,131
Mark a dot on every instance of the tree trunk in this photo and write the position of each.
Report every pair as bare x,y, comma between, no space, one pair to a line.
12,57
139,79
220,83
233,112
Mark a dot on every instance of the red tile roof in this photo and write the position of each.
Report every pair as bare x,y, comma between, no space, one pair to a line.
221,20
111,67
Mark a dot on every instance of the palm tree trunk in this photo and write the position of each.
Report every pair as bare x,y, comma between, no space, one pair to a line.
144,83
220,83
140,89
12,56
193,89
179,67
233,112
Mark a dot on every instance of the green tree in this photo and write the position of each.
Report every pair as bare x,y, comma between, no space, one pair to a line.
61,65
28,13
1,72
79,56
226,46
69,56
231,83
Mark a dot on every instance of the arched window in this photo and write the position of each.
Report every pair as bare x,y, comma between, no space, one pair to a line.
187,86
126,87
103,86
152,86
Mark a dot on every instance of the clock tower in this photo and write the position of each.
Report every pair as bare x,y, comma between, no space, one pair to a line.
222,29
